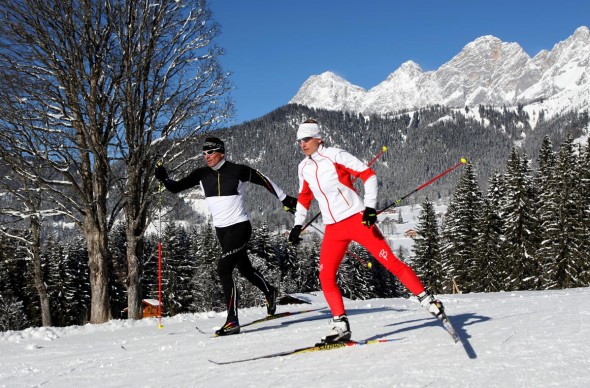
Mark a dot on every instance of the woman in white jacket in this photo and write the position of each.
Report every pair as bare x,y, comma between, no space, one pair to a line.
325,174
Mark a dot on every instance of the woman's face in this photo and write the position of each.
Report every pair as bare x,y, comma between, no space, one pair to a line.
309,145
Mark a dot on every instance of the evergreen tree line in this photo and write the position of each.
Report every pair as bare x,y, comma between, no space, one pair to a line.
189,278
529,231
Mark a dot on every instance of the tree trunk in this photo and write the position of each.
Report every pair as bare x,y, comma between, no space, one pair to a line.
39,283
98,255
134,289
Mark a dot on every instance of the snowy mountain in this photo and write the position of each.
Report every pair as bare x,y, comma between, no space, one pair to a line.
487,71
509,339
331,92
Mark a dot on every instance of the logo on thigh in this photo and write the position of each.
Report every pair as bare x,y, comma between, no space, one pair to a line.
383,254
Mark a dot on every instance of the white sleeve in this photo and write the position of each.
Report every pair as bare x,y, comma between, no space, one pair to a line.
371,189
300,211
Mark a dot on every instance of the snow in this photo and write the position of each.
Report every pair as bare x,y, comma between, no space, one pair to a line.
509,339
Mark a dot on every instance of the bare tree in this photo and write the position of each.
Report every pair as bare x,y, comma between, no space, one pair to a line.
99,82
55,59
171,89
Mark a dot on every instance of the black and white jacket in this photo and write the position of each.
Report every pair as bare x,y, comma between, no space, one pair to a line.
223,185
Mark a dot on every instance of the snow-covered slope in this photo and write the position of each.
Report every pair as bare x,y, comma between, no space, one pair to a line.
487,71
510,339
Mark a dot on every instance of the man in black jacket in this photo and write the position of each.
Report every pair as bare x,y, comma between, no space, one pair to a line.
222,182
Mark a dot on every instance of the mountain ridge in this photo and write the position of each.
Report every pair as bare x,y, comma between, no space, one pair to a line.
487,71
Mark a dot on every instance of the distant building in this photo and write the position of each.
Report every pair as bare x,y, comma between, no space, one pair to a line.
411,233
150,309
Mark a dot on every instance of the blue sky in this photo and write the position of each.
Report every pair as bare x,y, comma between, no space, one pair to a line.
273,46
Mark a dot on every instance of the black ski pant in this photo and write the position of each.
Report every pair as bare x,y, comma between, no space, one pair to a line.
234,240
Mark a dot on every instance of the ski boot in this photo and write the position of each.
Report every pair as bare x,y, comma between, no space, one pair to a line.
434,306
340,330
271,301
230,327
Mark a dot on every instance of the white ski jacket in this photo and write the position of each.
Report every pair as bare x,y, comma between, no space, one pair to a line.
326,175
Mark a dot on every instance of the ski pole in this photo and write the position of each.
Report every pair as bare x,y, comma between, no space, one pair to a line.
396,202
160,256
371,162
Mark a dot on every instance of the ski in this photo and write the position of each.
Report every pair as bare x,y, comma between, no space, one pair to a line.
270,318
444,319
308,349
279,315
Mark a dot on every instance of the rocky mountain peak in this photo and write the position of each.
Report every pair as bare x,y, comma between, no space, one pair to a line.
486,71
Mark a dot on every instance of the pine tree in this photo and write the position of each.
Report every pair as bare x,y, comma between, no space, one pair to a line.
260,244
12,310
305,272
185,271
460,232
489,251
384,283
12,314
262,255
493,266
118,269
4,270
19,282
547,161
427,260
584,170
68,282
545,184
53,256
149,280
77,283
206,288
521,225
284,260
353,276
562,223
177,270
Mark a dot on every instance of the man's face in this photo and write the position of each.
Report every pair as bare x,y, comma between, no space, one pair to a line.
212,157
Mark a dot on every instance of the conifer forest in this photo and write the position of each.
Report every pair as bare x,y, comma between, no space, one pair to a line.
529,229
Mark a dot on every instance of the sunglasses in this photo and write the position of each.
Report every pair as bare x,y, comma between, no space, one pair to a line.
210,152
304,140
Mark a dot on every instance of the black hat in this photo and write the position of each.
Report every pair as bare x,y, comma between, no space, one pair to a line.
214,143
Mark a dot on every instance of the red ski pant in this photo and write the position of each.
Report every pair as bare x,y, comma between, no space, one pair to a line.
337,237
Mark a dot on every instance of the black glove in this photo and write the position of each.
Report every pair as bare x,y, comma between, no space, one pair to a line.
289,204
161,173
369,217
294,238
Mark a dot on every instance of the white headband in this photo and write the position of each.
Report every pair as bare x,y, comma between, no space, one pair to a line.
308,130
